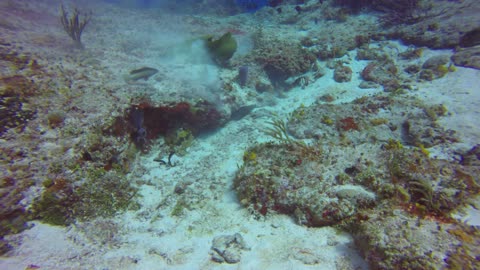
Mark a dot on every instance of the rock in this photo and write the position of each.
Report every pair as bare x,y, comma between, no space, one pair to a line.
469,57
342,74
354,193
384,241
383,73
306,256
263,85
426,75
450,21
228,248
368,85
472,157
412,69
471,38
4,246
436,61
435,67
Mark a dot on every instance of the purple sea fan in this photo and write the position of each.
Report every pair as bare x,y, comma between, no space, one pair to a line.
243,75
139,132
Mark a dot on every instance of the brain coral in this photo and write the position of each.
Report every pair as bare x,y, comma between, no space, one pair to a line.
281,59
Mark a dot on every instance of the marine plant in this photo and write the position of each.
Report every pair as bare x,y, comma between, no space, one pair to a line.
424,193
278,131
179,141
102,194
55,119
74,25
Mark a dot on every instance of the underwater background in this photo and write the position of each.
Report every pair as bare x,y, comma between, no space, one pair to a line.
240,134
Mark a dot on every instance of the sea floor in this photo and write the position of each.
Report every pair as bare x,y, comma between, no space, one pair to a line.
152,237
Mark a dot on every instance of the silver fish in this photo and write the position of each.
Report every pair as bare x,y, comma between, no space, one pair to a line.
141,73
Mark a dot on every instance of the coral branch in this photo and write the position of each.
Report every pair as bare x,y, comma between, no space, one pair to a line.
73,25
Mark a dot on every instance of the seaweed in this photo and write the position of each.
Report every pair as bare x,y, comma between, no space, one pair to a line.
278,131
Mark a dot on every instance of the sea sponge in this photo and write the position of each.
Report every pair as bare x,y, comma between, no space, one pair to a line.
342,74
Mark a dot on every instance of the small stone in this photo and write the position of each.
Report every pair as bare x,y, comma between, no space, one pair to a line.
468,57
228,248
435,61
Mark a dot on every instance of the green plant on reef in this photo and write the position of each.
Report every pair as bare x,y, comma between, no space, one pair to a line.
250,156
442,70
278,131
423,193
327,120
299,113
435,111
452,68
222,49
393,145
180,140
55,119
396,159
103,194
378,121
55,206
179,208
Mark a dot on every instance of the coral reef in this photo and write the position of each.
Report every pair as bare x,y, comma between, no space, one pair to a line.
400,187
342,74
468,57
411,244
146,120
287,179
13,214
77,142
103,194
281,59
383,73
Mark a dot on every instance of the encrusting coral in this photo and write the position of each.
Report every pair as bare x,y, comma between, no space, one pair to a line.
396,185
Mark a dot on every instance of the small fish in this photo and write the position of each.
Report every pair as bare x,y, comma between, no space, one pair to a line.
141,73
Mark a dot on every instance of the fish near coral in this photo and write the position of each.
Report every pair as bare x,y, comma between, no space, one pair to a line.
141,73
222,49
